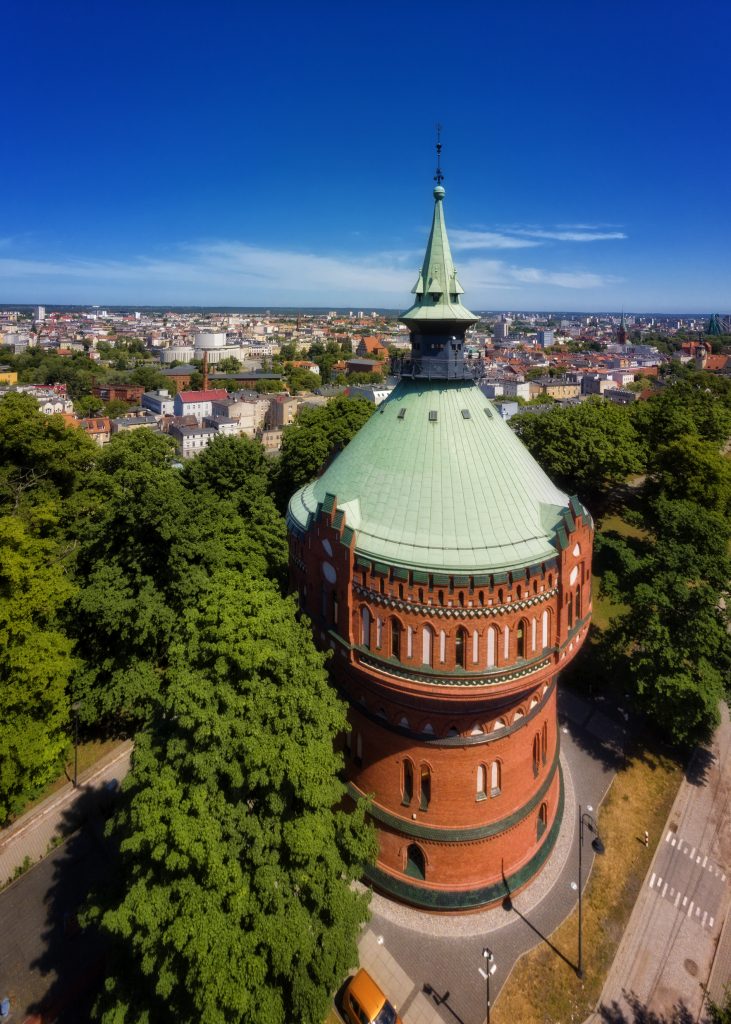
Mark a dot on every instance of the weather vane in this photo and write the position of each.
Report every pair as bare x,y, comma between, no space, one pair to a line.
439,177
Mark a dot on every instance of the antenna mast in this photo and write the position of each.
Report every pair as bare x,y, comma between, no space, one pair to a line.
439,177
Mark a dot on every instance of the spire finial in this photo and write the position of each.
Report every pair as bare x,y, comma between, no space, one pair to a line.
439,177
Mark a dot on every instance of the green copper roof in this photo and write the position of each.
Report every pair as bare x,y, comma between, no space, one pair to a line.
433,488
437,289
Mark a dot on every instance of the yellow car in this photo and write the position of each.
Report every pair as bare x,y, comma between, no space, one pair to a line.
364,1003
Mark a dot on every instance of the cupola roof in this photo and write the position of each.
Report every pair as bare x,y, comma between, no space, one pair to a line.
436,480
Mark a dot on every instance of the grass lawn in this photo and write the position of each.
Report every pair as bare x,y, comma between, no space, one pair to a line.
542,989
615,524
89,753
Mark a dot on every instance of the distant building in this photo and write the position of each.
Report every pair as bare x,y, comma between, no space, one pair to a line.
371,392
546,339
159,402
190,441
501,329
118,392
197,403
8,376
98,428
40,314
359,365
282,411
180,375
135,421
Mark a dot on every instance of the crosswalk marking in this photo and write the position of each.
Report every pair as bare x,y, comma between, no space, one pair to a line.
652,880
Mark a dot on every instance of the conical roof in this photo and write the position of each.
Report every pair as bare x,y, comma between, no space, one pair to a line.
436,480
437,288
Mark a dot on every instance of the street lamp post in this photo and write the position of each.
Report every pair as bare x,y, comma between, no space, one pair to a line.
490,968
75,708
598,847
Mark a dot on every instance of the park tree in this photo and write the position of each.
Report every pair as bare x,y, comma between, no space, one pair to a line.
672,644
41,458
313,438
150,377
229,364
236,469
36,660
690,468
586,448
234,900
143,560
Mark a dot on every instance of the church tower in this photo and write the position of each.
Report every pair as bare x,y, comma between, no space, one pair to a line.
622,332
451,579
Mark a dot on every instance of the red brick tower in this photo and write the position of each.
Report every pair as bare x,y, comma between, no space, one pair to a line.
451,580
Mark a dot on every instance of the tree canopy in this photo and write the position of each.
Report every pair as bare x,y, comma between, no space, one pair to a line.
231,812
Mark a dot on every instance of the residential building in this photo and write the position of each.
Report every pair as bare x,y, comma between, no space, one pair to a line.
118,392
161,402
190,441
98,428
197,403
282,411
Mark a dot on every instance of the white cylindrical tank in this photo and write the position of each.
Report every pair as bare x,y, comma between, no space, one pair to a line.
209,339
177,354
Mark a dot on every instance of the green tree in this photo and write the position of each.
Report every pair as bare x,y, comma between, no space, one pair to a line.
694,469
236,468
586,448
719,1013
35,662
234,900
229,365
314,436
41,458
150,377
673,642
300,379
144,559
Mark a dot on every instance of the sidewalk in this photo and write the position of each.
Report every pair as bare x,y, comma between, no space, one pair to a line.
31,836
678,937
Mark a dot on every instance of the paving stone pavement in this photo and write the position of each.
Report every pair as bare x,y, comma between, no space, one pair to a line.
678,937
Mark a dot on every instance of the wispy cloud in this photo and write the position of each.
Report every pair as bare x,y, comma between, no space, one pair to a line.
462,240
237,273
573,235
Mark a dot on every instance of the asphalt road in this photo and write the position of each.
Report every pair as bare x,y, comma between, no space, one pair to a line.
45,958
690,879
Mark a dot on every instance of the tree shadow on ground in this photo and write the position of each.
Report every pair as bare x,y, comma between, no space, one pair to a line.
72,957
699,766
640,1013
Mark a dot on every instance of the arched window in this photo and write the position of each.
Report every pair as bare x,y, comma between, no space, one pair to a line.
578,602
409,641
382,713
506,644
365,627
441,597
518,714
481,597
491,647
544,743
401,591
521,638
542,820
428,729
442,646
379,632
520,592
358,749
415,863
404,722
424,787
550,580
477,730
533,633
570,612
395,639
545,619
334,609
536,754
453,731
481,788
500,596
499,724
459,647
496,778
407,783
475,647
427,645
421,595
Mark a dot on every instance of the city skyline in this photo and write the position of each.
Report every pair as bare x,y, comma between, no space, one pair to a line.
286,158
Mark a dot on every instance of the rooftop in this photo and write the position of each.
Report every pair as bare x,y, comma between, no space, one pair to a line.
436,480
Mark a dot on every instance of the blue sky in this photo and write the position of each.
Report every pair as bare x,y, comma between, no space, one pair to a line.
232,153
